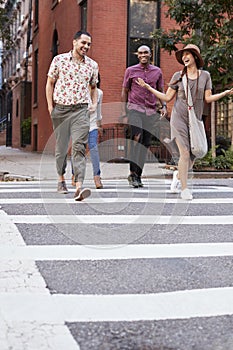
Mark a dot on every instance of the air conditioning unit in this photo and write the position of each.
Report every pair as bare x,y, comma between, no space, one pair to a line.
22,18
18,66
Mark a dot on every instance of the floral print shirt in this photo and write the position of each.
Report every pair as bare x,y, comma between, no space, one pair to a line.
72,79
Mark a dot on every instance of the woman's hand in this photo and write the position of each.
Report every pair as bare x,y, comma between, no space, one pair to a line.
229,92
160,95
142,83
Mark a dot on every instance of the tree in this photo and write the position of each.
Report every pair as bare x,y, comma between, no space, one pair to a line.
5,23
208,24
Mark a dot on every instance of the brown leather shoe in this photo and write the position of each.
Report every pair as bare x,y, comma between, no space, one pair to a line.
81,194
98,183
61,187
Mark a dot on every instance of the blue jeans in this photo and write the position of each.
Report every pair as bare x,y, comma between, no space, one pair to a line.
94,152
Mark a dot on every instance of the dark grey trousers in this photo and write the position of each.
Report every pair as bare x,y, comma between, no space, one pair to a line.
71,122
146,126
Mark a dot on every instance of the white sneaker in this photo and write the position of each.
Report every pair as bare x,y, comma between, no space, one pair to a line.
175,183
186,194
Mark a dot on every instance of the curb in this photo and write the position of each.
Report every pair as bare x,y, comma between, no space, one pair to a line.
13,177
213,175
7,177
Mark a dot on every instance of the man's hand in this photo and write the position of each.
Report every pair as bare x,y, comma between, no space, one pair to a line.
163,111
123,119
92,107
49,93
50,108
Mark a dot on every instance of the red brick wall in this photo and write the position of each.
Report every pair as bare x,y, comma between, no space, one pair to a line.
107,22
21,109
169,64
16,98
65,19
3,137
109,29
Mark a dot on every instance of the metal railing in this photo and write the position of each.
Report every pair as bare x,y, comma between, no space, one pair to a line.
114,146
3,121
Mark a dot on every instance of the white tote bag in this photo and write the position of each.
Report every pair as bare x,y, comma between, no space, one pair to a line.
198,140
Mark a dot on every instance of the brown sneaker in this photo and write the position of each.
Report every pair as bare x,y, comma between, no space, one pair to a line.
98,183
81,194
61,187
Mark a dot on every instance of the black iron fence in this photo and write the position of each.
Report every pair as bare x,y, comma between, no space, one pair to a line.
114,146
3,121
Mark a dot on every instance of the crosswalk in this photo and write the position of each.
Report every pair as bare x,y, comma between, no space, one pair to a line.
132,256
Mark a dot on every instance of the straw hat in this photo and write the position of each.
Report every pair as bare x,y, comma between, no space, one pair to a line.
194,50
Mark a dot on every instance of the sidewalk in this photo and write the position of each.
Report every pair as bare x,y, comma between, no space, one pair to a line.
23,165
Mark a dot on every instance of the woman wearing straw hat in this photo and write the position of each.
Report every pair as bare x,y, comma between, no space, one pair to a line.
199,82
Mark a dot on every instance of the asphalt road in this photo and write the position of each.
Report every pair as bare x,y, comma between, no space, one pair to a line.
135,269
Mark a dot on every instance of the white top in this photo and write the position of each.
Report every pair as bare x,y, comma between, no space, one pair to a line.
97,115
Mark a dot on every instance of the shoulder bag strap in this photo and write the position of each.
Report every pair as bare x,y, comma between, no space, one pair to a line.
188,95
187,92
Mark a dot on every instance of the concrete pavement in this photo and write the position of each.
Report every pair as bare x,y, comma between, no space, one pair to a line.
17,164
45,327
22,165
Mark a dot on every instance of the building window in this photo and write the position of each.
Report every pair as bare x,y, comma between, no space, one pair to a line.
224,118
83,8
54,3
36,77
143,19
55,43
36,19
17,108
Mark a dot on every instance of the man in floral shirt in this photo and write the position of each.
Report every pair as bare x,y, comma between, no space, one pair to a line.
70,88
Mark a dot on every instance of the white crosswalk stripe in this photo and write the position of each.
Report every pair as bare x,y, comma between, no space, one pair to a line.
104,200
131,307
121,252
119,219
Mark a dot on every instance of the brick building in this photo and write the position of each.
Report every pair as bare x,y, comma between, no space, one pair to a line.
118,27
16,74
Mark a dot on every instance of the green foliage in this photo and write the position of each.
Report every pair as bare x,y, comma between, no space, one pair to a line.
208,24
26,131
221,162
6,20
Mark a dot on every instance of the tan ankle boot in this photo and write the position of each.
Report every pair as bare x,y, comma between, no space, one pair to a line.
98,183
73,182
